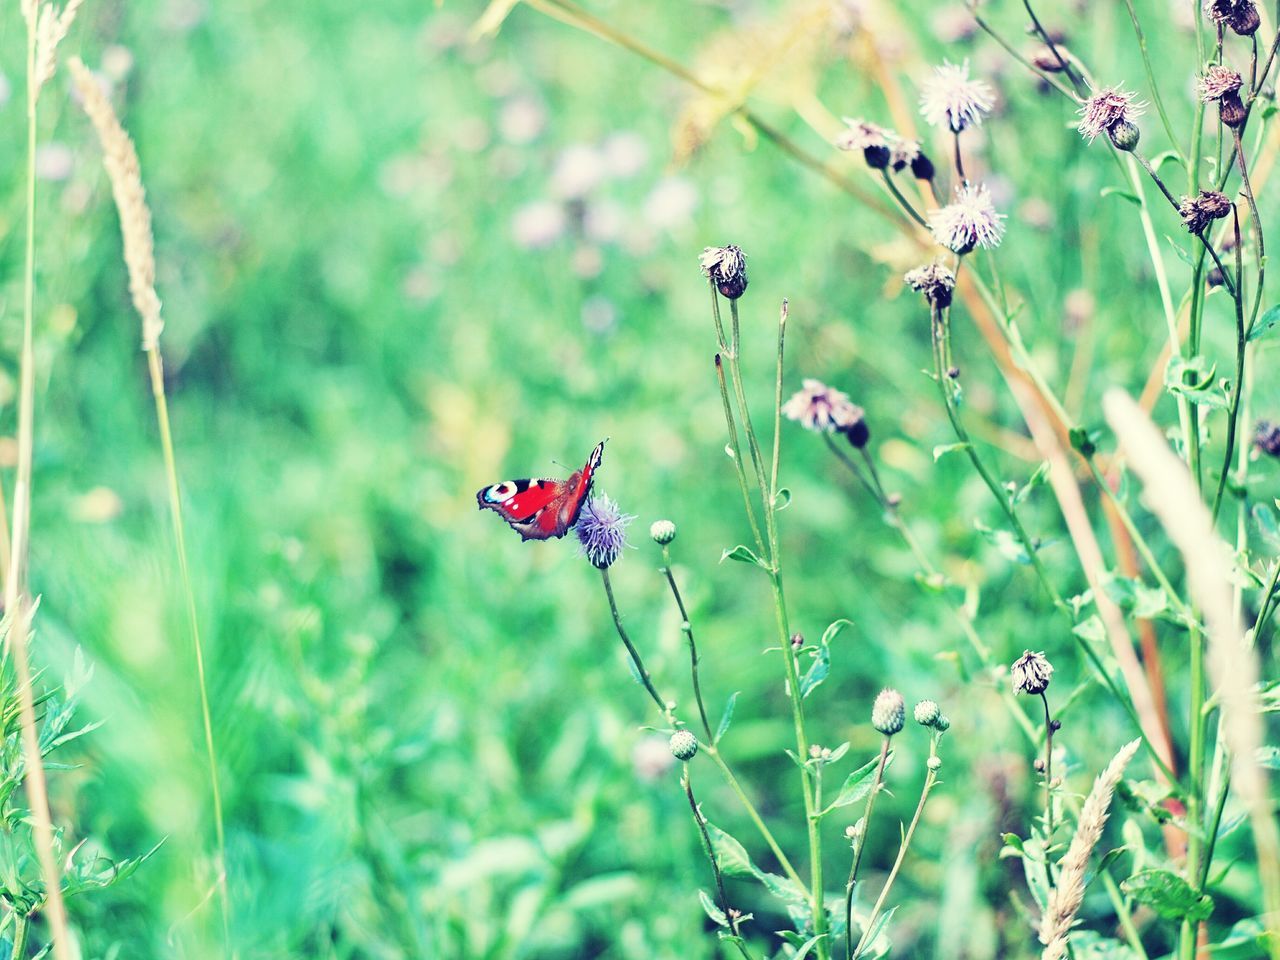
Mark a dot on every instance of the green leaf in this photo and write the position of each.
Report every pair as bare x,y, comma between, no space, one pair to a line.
1180,251
1091,629
1269,757
1195,379
873,947
818,670
726,718
743,554
1010,546
715,913
858,784
1037,479
943,449
1122,193
784,888
807,946
730,854
1265,323
833,630
1168,895
782,499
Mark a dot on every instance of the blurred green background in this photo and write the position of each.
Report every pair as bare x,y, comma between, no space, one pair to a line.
398,265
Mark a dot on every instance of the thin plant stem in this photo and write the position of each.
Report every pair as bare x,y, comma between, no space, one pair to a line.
17,600
1151,79
645,680
860,844
1017,55
155,368
903,202
930,778
686,627
959,162
777,407
1048,41
740,394
735,450
1048,768
730,916
21,926
1268,601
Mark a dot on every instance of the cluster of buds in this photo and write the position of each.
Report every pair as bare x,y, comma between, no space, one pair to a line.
883,149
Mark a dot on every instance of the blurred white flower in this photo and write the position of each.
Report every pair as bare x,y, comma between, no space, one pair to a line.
604,220
578,170
651,758
539,224
54,161
599,315
587,261
625,154
117,63
671,203
521,119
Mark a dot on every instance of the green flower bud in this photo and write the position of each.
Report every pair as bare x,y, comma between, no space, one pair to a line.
684,745
927,713
935,764
662,531
942,724
888,712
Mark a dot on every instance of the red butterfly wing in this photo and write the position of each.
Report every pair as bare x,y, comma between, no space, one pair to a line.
542,509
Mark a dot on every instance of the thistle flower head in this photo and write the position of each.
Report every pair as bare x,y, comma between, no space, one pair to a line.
1241,16
1106,110
903,153
952,99
1031,673
684,745
859,135
888,712
602,531
1266,437
927,713
727,268
933,280
662,531
1217,82
1200,211
821,408
969,221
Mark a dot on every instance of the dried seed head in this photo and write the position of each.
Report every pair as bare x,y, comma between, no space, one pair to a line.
727,268
1217,82
952,100
1107,109
1266,437
684,745
933,280
821,408
1031,673
927,713
602,531
969,221
1199,212
662,531
1240,16
1231,111
888,712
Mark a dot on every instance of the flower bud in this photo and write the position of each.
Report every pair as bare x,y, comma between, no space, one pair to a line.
934,763
922,168
684,745
888,712
662,531
927,713
943,724
1124,136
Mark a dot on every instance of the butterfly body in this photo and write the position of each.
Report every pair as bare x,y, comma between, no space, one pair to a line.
540,509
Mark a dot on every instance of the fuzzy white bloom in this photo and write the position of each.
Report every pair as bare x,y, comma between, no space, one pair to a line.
952,99
861,135
968,221
821,408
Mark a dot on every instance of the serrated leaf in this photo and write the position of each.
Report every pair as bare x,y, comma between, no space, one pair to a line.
726,718
730,854
1168,895
743,554
1091,629
858,784
942,449
1265,323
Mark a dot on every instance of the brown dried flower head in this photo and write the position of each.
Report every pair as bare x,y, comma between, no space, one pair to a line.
1239,16
727,268
1219,81
934,281
1106,110
1199,212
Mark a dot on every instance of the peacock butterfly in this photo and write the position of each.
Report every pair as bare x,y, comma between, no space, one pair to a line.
542,509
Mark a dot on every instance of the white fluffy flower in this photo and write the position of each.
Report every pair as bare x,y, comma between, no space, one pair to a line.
952,99
968,221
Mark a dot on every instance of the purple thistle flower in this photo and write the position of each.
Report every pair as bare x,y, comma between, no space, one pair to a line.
968,221
1217,82
821,408
1107,109
602,531
952,99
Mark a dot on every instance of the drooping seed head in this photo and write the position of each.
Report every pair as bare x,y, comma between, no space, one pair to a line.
888,712
951,99
1200,211
821,408
1031,673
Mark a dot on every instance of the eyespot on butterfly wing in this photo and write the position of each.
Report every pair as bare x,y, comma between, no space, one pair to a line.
542,509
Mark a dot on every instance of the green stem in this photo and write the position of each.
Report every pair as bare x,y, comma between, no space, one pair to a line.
730,916
1048,770
903,202
930,778
735,449
860,843
645,680
21,927
686,627
1151,79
